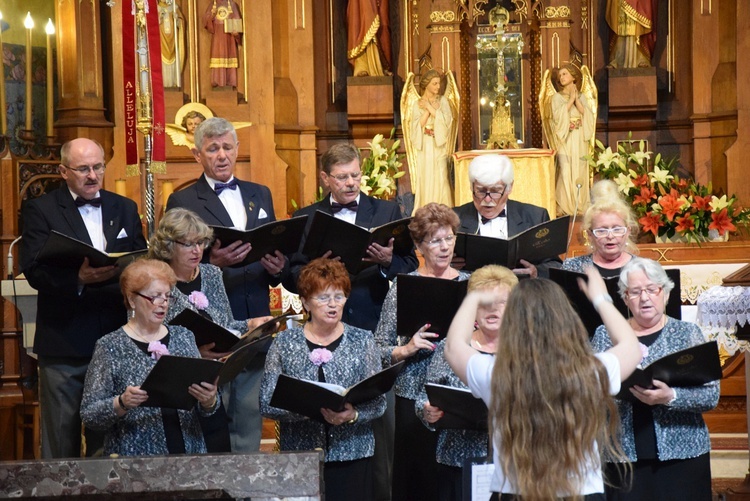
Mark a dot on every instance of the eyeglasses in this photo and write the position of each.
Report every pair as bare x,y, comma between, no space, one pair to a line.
84,170
651,291
617,231
437,242
341,178
202,244
157,300
493,193
326,298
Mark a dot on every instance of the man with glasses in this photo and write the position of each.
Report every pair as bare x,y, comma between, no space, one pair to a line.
220,199
492,214
341,174
75,307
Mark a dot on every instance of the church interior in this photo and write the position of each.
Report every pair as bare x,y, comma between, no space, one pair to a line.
294,92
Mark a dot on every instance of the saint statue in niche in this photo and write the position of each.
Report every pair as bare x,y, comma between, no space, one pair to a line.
172,34
369,37
223,20
633,24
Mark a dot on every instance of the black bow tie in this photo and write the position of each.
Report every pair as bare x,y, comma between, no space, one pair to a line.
486,220
94,202
337,207
219,187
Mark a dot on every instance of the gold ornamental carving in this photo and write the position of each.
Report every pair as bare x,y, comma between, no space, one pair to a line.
470,10
445,16
552,12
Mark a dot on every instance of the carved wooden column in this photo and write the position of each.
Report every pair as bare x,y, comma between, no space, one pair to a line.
81,82
737,153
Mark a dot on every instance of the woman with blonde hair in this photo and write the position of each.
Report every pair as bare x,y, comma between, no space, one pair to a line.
609,225
454,446
549,397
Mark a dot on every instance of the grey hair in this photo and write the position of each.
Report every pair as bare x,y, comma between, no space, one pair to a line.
653,271
491,169
213,127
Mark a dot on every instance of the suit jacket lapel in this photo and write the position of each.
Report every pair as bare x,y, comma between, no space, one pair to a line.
515,221
365,212
251,203
212,203
72,216
110,218
470,223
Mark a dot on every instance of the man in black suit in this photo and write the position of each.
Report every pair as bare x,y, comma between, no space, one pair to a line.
492,214
75,307
220,199
341,175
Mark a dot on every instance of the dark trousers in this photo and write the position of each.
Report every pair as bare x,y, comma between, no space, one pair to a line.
414,464
384,428
61,382
348,480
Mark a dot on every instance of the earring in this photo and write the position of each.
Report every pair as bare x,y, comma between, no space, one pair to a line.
131,313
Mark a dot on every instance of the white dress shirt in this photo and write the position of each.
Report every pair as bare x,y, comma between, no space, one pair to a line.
232,201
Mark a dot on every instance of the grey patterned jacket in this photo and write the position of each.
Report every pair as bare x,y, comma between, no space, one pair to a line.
681,432
354,359
453,446
578,263
411,379
117,363
212,285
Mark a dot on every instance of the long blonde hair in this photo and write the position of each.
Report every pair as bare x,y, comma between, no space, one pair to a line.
550,405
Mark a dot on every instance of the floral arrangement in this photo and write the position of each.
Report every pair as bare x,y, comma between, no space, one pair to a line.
198,299
382,168
665,204
157,349
320,356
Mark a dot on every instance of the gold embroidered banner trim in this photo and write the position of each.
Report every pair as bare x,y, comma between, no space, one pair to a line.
132,170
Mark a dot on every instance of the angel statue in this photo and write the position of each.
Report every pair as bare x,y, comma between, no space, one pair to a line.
430,125
187,119
569,123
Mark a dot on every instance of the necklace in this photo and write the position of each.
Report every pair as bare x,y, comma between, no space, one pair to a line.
316,339
193,275
139,336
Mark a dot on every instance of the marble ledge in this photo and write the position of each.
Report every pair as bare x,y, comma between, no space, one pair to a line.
262,477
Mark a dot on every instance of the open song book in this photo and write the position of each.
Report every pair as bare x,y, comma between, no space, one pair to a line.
461,409
543,241
283,235
68,252
692,366
207,331
349,242
168,382
308,397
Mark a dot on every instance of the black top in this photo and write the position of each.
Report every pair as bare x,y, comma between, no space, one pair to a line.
169,417
643,417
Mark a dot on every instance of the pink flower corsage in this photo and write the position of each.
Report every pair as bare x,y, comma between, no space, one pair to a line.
198,299
157,349
320,356
644,349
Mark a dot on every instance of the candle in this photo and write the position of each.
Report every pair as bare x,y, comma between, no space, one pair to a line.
167,188
50,29
120,187
3,108
29,24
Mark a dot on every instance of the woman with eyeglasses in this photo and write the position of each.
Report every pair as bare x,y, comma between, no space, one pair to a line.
662,431
180,240
609,225
326,349
122,359
433,230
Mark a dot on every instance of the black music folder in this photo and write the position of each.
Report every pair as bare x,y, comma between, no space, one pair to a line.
543,241
427,300
350,242
283,235
308,397
692,366
461,410
207,331
590,317
68,252
168,382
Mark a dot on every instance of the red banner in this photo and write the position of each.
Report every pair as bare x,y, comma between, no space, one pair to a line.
158,157
130,98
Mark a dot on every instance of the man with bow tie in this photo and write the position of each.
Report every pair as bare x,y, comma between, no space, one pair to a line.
75,307
341,175
492,214
220,199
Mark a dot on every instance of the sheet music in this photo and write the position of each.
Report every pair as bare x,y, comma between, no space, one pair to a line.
481,475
